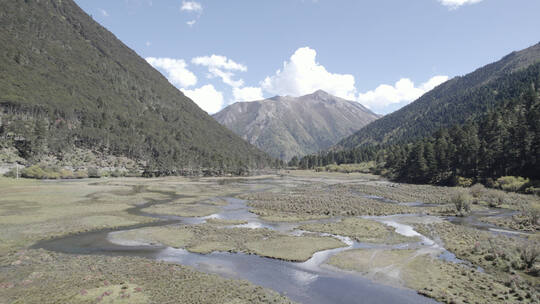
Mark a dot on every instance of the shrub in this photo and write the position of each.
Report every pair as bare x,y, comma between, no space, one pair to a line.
496,198
81,174
511,183
117,173
530,254
34,171
45,172
463,181
68,174
94,173
366,167
532,187
133,173
462,202
11,173
477,190
533,190
530,212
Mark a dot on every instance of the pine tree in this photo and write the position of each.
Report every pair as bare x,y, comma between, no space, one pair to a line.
431,161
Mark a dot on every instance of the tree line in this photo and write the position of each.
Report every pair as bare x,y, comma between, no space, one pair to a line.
504,141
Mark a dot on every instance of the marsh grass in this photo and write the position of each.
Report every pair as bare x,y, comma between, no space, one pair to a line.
444,281
506,258
292,248
124,293
361,230
224,222
32,210
320,201
208,238
187,210
42,277
405,192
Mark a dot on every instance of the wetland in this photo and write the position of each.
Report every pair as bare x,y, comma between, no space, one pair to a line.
292,237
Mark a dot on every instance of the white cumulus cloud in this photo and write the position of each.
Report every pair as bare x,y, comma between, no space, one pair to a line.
207,98
104,12
247,94
218,61
433,82
302,75
453,4
222,67
191,6
226,77
175,70
402,91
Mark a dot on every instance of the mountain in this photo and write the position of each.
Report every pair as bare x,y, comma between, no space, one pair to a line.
67,84
291,126
451,103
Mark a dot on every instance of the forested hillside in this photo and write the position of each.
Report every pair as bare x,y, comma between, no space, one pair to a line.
503,141
451,103
66,83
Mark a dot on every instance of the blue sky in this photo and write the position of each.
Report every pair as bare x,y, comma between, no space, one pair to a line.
382,53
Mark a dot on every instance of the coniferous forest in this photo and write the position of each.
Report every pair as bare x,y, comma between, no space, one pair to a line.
70,89
504,141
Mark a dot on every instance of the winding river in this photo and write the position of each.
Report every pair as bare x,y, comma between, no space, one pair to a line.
309,282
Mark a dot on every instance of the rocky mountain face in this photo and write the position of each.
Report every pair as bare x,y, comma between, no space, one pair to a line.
293,126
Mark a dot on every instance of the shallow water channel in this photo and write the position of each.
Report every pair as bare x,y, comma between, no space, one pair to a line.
308,282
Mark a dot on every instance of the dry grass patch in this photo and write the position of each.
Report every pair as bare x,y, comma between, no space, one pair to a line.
186,210
318,201
405,192
35,210
39,276
123,293
361,230
292,248
207,238
224,222
445,282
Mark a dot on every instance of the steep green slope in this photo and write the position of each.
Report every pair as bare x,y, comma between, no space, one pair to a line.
285,127
503,141
66,82
451,103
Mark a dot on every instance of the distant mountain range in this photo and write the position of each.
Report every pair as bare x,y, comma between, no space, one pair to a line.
451,103
66,83
285,127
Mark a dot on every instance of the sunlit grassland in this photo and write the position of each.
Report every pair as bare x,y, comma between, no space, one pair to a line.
443,281
32,210
361,230
39,276
207,238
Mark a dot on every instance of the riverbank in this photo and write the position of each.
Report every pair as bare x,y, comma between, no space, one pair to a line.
291,235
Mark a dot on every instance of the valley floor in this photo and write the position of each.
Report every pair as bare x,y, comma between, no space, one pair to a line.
302,236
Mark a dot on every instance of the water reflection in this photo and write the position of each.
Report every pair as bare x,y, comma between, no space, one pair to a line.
308,282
